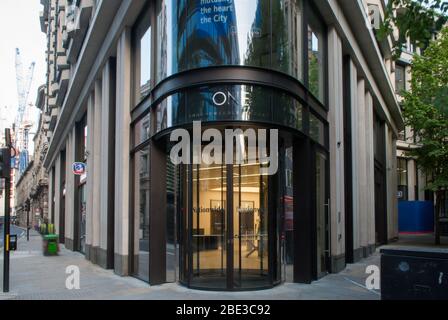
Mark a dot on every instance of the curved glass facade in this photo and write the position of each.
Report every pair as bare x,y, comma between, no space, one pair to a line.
203,33
232,225
230,103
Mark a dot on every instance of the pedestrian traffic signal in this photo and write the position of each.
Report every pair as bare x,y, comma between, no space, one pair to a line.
5,163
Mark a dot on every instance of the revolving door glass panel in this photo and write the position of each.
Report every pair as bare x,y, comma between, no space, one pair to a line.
226,231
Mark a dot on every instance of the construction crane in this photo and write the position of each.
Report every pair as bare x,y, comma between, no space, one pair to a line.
22,122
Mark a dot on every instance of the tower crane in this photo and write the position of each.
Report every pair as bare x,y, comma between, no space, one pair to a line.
22,122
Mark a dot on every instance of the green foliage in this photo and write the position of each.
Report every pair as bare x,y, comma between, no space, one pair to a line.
417,20
425,109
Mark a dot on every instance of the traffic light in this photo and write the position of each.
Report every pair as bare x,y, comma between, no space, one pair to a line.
5,163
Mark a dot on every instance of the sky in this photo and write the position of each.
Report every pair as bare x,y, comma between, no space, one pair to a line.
20,28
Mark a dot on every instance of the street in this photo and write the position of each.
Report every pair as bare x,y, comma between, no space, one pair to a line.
46,280
20,232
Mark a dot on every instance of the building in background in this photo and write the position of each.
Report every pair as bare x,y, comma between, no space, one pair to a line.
31,201
122,75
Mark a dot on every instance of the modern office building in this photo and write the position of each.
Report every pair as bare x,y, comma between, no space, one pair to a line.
123,75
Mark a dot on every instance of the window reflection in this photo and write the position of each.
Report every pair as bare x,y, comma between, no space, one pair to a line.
287,44
230,103
141,214
142,55
317,129
142,130
145,63
288,223
197,33
316,56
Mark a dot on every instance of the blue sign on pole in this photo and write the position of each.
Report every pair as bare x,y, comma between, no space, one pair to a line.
79,168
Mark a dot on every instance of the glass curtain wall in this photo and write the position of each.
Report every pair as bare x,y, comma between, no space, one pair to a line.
316,56
322,223
196,34
141,214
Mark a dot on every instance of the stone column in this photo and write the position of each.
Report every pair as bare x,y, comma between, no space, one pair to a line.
362,162
57,193
96,221
336,120
90,174
122,158
391,184
370,167
70,192
421,184
356,142
107,158
49,196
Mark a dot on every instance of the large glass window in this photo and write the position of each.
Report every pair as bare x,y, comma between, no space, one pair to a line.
142,44
288,217
402,175
287,35
200,33
141,214
316,57
400,79
317,129
142,130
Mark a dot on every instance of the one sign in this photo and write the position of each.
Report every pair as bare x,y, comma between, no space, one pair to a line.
79,168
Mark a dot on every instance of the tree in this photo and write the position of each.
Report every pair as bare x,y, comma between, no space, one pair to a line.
417,20
425,109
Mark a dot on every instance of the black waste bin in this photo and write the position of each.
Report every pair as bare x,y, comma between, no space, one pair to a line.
414,274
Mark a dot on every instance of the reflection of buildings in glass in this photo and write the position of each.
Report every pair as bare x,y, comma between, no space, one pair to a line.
145,88
258,46
206,43
162,35
144,196
291,13
315,63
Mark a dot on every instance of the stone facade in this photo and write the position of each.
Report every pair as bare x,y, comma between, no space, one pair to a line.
31,201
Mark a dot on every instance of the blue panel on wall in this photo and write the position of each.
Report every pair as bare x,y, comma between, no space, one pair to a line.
415,216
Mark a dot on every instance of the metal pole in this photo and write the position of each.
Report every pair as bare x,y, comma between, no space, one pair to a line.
6,223
27,223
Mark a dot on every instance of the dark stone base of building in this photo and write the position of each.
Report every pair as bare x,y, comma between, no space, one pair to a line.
338,263
121,265
69,244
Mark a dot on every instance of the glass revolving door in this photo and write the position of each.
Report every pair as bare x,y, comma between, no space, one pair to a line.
226,231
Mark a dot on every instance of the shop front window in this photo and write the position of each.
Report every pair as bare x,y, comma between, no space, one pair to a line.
141,215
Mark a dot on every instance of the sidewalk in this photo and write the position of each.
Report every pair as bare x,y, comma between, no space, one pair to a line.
36,277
